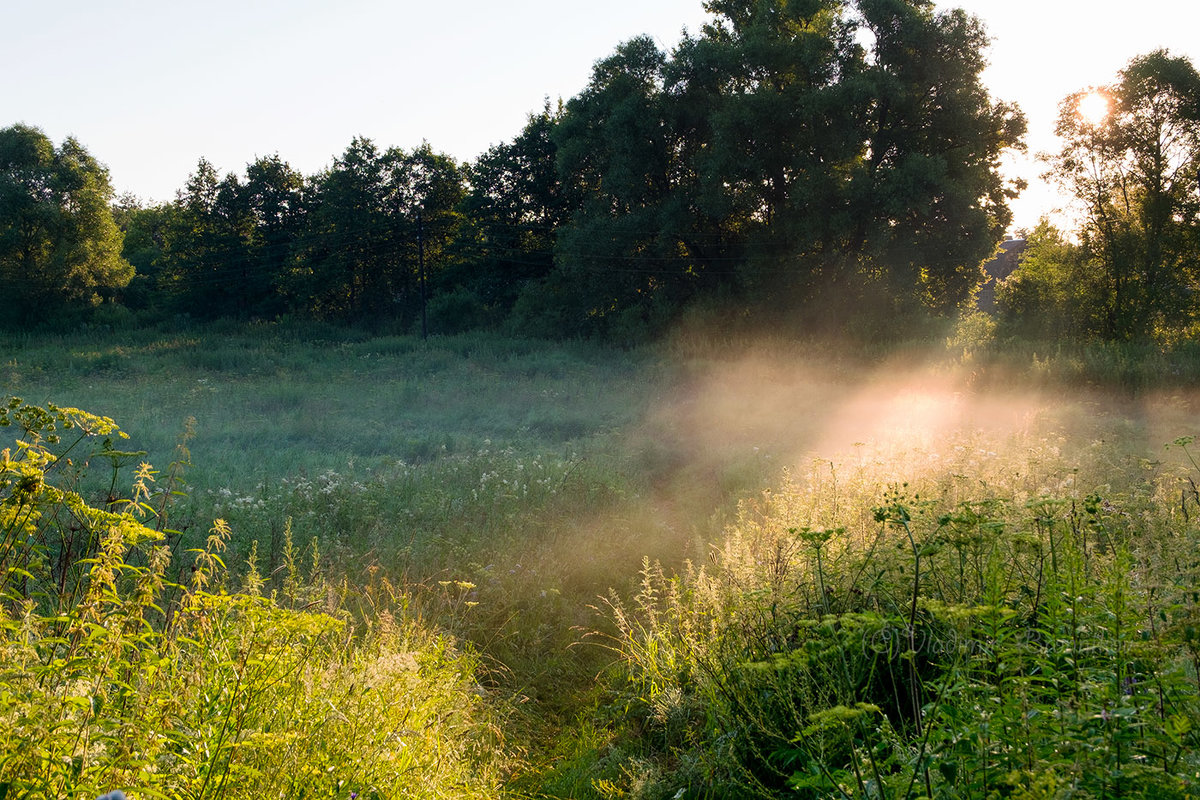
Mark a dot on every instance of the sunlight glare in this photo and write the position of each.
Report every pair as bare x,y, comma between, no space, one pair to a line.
1093,108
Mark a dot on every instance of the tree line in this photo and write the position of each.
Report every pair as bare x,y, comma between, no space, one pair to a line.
817,159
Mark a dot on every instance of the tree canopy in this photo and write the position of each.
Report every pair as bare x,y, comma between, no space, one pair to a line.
814,153
1131,157
59,243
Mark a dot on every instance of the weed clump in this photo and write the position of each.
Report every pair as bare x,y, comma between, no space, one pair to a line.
128,663
1005,634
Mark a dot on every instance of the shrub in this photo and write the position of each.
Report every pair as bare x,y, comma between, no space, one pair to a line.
117,673
458,311
1007,635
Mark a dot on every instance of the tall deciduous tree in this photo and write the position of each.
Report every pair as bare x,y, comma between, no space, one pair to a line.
347,242
615,151
783,86
805,153
146,230
229,242
59,243
932,204
424,191
206,262
1135,172
1057,290
274,196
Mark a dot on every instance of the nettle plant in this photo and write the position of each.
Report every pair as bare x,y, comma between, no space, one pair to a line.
949,638
120,670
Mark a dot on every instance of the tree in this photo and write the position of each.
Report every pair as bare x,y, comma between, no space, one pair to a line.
146,229
1057,289
929,202
346,237
511,215
424,191
1134,172
782,82
206,258
229,243
615,151
274,196
805,154
59,244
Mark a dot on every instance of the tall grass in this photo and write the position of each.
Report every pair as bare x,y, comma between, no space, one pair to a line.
122,670
1001,354
981,630
493,481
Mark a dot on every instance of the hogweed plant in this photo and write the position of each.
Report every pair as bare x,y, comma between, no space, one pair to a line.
1002,635
118,676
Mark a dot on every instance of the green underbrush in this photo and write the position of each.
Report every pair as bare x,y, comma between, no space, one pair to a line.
998,355
172,674
1013,620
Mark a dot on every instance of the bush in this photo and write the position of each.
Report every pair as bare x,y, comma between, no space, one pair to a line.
974,335
1057,289
458,311
123,669
554,308
1011,634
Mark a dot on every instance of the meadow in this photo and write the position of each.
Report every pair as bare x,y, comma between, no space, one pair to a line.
707,568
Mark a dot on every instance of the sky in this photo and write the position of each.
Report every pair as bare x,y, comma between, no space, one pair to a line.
151,86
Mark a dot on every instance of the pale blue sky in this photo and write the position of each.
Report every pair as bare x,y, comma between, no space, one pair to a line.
150,87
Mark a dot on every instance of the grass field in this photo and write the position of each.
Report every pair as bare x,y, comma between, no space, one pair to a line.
506,486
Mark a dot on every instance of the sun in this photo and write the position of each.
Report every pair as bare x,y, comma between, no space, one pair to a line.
1093,108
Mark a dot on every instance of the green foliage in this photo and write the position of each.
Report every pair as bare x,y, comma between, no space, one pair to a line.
1007,635
375,218
146,234
819,161
59,245
119,675
512,213
1130,172
1058,289
222,232
1000,352
830,162
459,311
776,155
974,335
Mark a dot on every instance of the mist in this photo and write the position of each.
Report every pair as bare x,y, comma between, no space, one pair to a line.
735,422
